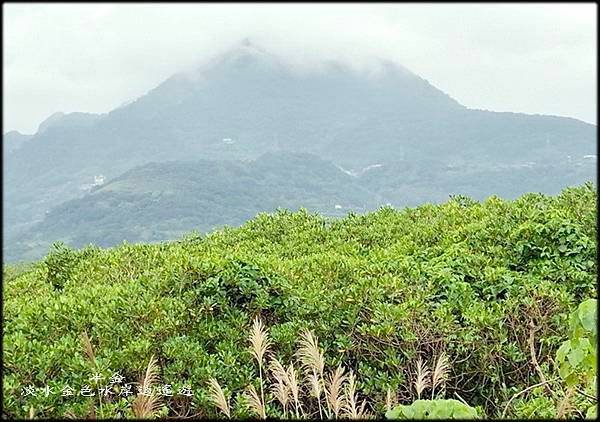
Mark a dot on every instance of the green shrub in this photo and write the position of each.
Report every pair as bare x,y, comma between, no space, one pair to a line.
379,290
433,409
577,357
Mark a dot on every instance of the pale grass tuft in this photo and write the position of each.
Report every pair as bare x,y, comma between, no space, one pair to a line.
281,393
280,389
351,408
315,384
88,348
422,381
217,396
286,385
278,371
255,403
259,339
147,405
309,353
313,365
294,388
440,373
151,377
335,396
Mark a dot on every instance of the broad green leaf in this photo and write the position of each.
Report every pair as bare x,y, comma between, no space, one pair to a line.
565,370
575,356
591,412
587,315
563,350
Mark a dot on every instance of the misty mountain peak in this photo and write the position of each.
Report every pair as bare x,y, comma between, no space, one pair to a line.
247,44
50,121
75,119
244,56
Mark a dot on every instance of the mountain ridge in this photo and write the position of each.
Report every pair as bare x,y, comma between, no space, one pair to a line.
162,201
244,104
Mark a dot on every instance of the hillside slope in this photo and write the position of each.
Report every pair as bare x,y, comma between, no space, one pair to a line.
13,140
161,201
379,290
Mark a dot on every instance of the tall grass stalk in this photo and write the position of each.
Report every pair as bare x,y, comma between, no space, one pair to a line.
260,342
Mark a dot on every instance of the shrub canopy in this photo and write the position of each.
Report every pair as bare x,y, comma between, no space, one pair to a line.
377,289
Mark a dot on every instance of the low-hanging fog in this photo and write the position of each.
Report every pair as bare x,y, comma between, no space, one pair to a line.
535,58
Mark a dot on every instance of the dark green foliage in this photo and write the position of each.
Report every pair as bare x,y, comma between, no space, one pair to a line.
576,358
60,262
378,289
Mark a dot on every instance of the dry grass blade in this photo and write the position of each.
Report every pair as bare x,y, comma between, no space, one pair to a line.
362,413
350,408
390,400
280,389
309,353
335,396
145,407
313,365
88,348
151,377
315,384
440,373
422,381
147,403
254,402
280,393
259,339
31,412
278,371
294,388
217,396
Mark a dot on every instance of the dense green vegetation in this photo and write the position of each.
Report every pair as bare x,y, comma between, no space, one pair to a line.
492,285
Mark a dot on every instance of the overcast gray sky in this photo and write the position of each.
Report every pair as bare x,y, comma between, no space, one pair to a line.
532,58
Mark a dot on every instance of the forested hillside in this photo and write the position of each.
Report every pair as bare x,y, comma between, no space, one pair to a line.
479,293
162,201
